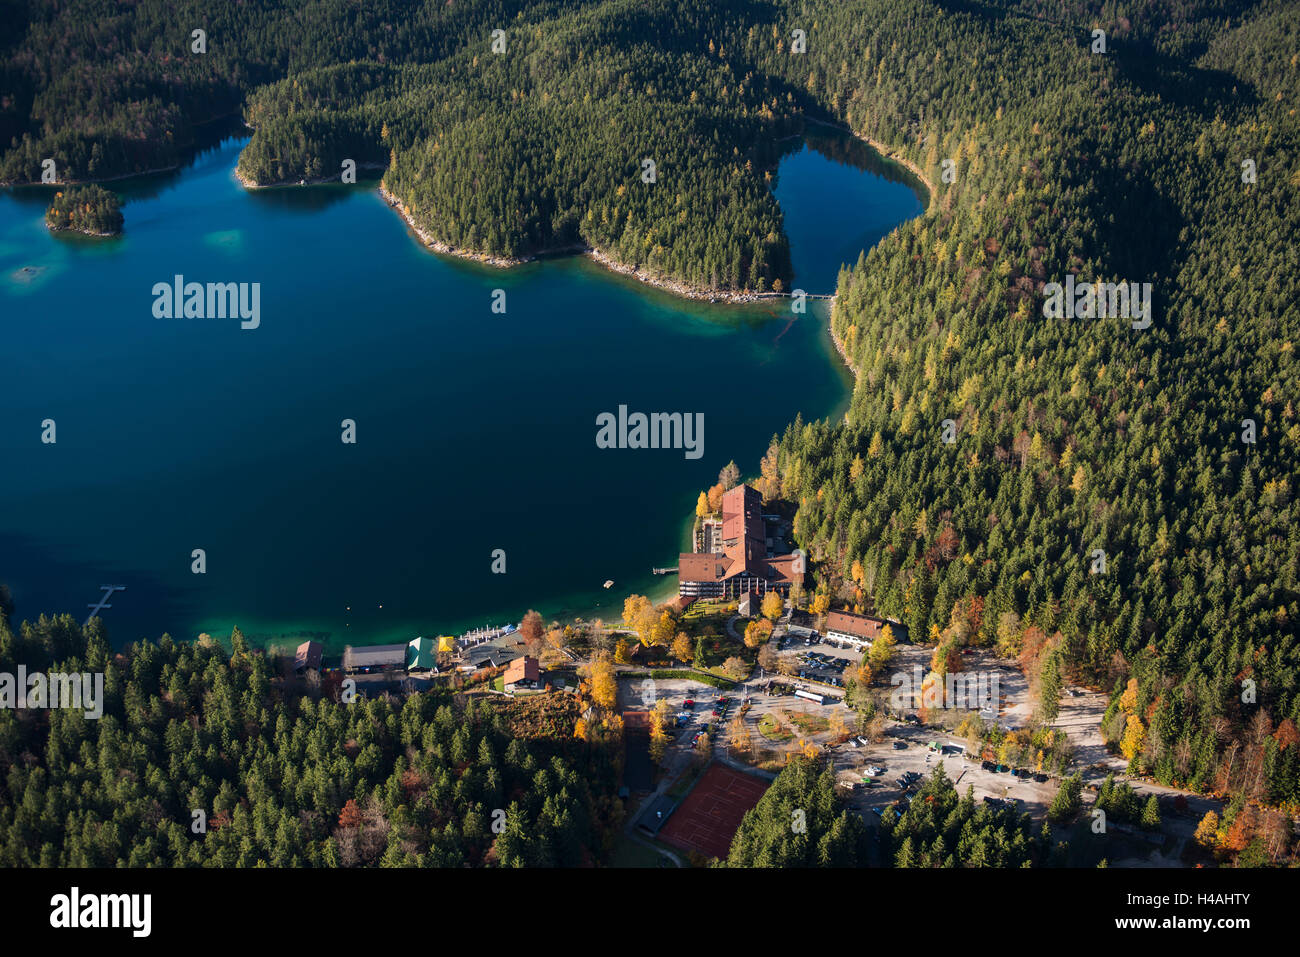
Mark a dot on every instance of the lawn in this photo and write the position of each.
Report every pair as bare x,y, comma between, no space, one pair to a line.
772,729
807,723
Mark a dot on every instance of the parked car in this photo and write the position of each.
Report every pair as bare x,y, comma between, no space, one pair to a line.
688,704
1040,778
875,769
899,745
987,765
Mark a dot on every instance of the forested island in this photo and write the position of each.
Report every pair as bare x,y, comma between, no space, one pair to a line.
1104,502
87,209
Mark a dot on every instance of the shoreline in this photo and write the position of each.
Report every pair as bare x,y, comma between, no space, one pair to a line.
82,232
603,258
97,179
843,352
247,183
889,154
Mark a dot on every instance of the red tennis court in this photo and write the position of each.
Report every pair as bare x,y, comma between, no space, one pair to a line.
711,813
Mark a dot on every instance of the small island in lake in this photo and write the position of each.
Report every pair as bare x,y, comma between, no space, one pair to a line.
87,209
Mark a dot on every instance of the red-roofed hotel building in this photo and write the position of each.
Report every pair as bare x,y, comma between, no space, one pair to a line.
733,557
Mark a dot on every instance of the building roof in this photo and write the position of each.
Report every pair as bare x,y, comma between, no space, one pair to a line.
781,568
744,538
374,656
308,656
702,567
522,669
744,545
860,626
420,653
682,602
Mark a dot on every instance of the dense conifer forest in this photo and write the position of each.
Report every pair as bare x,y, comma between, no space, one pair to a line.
799,822
1116,501
283,777
87,209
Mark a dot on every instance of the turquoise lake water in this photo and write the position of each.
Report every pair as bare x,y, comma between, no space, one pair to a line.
475,431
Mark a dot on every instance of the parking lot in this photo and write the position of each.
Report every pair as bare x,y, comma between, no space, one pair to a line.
819,661
916,757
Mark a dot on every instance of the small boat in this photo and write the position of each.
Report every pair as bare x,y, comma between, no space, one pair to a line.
609,583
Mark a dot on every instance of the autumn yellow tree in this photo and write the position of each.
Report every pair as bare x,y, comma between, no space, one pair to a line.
757,632
702,505
882,650
658,723
821,603
1134,735
773,605
661,632
558,637
635,610
1207,832
682,649
1128,700
604,686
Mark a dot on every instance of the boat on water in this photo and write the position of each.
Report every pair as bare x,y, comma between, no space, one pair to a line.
609,583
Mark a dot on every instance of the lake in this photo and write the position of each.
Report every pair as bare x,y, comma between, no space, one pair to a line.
475,431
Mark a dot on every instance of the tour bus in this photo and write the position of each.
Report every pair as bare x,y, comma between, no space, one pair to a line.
820,699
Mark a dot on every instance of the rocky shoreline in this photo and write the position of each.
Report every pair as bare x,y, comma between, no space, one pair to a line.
670,285
83,232
888,153
839,344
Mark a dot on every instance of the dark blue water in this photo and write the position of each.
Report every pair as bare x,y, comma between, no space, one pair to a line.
475,431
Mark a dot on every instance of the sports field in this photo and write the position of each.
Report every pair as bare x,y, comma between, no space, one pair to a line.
708,818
